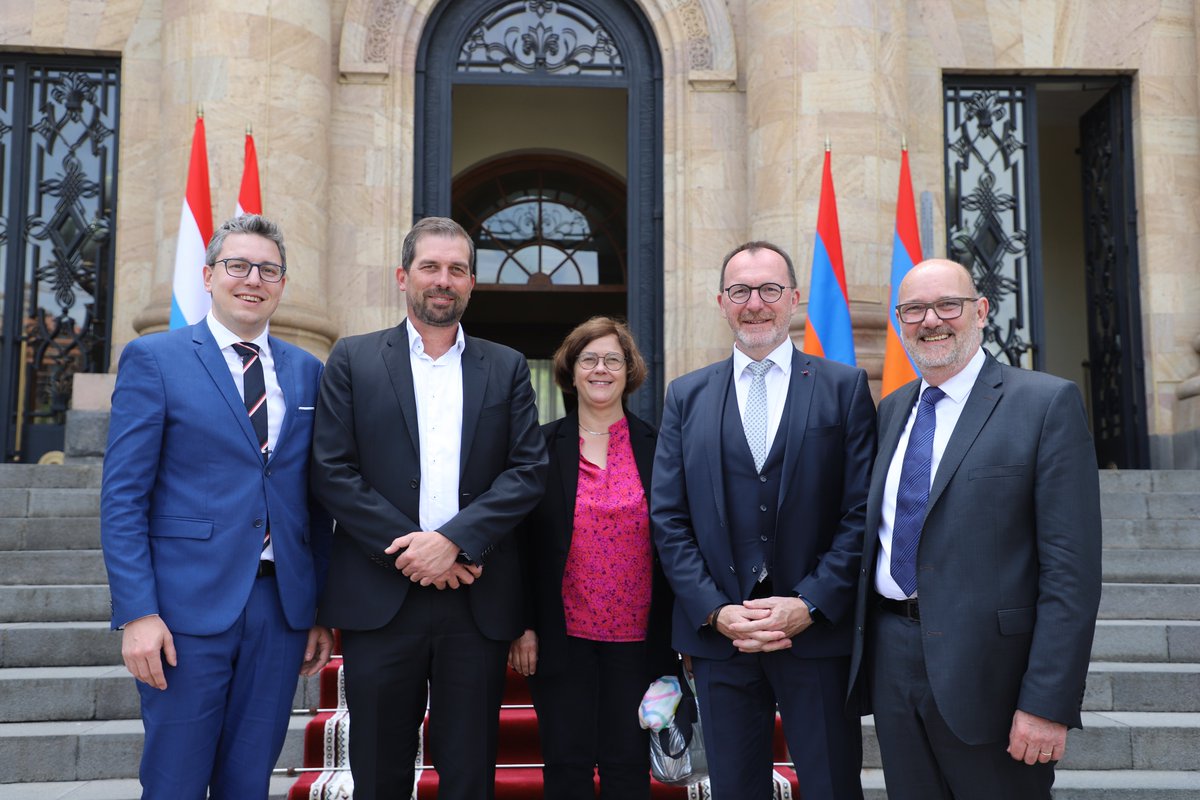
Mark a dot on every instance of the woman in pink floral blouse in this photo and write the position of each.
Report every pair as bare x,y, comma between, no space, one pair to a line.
597,604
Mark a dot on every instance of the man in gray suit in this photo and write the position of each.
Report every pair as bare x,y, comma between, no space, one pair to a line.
981,566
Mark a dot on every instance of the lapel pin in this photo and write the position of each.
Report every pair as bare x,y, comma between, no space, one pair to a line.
804,372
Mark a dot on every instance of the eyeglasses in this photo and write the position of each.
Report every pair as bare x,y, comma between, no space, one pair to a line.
240,268
945,308
767,292
612,361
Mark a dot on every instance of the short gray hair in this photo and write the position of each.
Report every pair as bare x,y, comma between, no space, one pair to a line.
247,223
434,226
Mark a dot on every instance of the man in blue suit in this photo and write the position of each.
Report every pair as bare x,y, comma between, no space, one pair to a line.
214,552
758,504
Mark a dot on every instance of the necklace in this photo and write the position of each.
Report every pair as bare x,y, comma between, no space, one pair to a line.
592,432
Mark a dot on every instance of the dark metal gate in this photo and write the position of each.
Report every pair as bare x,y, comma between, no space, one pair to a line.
58,167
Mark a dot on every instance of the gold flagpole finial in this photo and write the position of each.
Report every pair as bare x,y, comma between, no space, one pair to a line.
827,147
903,143
200,111
249,129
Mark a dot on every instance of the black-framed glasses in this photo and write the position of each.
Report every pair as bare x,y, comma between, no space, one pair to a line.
612,361
944,307
240,268
767,292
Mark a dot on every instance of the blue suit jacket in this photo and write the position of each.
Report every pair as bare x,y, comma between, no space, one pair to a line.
186,495
830,444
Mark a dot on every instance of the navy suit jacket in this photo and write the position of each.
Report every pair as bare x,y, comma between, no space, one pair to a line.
367,472
1008,567
829,446
186,495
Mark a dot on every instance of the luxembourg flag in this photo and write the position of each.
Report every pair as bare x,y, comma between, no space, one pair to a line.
828,332
906,252
189,301
249,196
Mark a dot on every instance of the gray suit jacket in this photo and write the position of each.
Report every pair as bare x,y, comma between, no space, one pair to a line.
1008,569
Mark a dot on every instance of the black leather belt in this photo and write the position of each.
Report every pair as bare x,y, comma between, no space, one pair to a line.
903,608
266,569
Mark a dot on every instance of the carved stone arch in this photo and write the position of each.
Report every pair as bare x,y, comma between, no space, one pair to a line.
379,33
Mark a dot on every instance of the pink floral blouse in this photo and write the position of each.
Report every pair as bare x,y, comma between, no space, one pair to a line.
606,583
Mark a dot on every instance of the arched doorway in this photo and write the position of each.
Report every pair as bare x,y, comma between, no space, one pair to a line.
545,118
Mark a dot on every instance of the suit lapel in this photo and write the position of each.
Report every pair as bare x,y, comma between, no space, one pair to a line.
286,377
474,383
641,439
800,391
218,369
717,389
399,369
980,403
566,450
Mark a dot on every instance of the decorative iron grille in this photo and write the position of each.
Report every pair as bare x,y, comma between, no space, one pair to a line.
987,214
540,36
59,139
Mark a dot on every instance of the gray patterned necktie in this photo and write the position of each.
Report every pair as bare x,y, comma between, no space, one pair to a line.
754,421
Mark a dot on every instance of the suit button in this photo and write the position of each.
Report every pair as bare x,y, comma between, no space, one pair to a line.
754,569
762,508
763,538
258,523
762,478
731,569
267,472
412,484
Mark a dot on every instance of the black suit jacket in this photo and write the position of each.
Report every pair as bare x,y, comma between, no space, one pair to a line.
367,468
1008,570
830,444
546,540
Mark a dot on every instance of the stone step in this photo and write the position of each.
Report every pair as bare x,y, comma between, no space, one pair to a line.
1161,534
1122,686
58,644
116,789
1109,784
49,533
1146,640
1151,566
50,476
108,692
1149,480
96,750
1183,505
50,603
60,567
1150,601
49,502
1111,740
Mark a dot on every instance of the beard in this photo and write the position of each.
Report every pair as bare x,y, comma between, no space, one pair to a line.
437,316
957,350
758,338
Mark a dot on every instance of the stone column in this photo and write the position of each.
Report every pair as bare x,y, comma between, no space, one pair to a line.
269,65
840,70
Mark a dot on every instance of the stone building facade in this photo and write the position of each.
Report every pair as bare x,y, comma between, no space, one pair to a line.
365,116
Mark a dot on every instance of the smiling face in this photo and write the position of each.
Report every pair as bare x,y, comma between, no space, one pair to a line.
759,327
940,348
243,305
438,284
600,388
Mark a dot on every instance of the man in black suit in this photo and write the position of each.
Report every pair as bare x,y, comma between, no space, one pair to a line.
758,503
981,568
427,452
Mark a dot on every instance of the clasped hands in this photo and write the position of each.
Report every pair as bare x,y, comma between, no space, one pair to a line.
763,625
430,559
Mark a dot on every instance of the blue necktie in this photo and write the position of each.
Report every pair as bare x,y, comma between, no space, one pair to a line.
912,496
754,420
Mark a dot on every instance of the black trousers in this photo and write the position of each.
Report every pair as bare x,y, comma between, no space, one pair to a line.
922,758
588,718
430,649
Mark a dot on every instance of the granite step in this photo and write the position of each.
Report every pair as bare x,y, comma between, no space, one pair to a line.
1111,784
55,603
1151,566
1147,640
1163,601
58,644
95,750
1124,686
40,567
49,533
49,502
1155,534
116,789
50,476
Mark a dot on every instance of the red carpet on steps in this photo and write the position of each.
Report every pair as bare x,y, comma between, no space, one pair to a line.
326,774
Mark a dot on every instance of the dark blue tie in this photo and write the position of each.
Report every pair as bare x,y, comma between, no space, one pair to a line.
912,496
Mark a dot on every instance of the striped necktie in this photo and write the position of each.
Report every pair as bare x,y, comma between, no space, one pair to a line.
254,391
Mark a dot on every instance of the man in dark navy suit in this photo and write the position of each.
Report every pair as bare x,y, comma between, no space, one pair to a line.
758,502
214,553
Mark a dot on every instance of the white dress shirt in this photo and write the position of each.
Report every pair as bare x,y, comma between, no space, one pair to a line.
947,412
276,405
777,378
438,388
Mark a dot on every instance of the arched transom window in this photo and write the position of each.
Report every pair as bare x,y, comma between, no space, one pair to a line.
540,36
